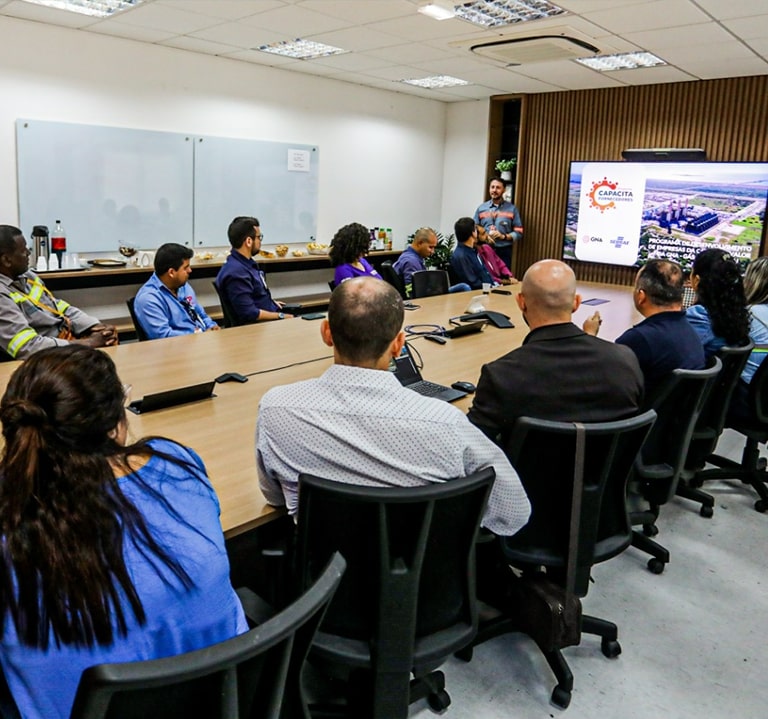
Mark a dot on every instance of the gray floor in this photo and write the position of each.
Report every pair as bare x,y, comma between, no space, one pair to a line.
693,638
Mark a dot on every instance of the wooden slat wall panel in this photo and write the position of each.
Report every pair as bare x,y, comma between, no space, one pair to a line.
728,118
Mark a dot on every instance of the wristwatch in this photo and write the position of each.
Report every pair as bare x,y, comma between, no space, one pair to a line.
280,315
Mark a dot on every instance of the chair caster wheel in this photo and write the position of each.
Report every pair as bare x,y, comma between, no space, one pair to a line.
561,697
464,654
761,464
439,701
610,648
650,530
656,566
760,506
706,511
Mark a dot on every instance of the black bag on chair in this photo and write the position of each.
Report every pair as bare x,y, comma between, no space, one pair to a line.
548,613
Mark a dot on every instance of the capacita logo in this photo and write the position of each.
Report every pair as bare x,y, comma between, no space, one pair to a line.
605,194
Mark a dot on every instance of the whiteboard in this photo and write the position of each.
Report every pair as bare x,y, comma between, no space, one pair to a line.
273,181
114,186
109,186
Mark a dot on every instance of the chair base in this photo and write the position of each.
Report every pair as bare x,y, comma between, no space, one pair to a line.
561,694
642,540
707,501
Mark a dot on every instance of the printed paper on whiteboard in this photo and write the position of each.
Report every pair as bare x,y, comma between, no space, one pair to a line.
298,160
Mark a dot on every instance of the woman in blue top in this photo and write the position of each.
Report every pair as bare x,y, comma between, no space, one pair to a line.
347,254
720,314
110,552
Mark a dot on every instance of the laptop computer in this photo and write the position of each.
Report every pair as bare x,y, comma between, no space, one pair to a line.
172,397
407,372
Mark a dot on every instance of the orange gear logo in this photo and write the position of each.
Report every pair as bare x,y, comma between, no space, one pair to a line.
594,199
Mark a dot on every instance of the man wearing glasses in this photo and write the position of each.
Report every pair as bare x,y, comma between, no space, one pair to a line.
240,282
166,305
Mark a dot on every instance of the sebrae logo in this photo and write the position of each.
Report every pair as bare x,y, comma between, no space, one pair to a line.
605,194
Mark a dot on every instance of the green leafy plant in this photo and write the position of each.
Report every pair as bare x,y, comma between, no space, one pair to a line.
505,165
441,258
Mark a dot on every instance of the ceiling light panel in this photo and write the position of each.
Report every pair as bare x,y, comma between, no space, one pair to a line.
94,8
495,13
624,61
436,11
436,81
301,49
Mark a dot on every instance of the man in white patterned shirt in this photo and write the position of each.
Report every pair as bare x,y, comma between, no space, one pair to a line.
358,425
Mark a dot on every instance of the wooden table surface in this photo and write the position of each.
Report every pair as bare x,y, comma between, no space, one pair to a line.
222,429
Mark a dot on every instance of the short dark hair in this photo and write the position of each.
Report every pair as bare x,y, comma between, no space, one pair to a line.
497,179
8,235
464,228
365,315
171,256
662,282
349,243
240,229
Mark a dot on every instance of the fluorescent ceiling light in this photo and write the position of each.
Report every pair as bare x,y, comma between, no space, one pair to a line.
494,13
436,81
625,61
301,49
95,8
437,12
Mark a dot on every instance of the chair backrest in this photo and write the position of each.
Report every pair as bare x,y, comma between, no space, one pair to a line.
410,565
141,335
429,282
678,402
758,394
391,275
230,318
712,417
543,453
242,677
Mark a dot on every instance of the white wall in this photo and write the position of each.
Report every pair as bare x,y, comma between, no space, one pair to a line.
380,151
466,146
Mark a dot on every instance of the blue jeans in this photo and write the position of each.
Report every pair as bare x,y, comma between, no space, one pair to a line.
461,287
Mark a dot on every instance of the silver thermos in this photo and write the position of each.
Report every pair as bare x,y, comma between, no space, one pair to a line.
41,244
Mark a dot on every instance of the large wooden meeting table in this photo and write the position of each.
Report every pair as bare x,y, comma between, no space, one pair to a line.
222,429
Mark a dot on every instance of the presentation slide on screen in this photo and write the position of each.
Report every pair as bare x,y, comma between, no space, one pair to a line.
624,213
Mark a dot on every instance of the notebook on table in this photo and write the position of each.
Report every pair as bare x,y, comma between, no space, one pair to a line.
172,397
408,373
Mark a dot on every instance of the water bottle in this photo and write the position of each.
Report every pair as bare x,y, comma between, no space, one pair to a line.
59,242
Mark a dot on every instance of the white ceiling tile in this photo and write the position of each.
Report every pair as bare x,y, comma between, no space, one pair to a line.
709,70
296,21
262,58
723,53
566,73
131,32
359,12
162,17
238,35
420,28
40,13
648,16
585,6
352,62
223,9
410,53
736,8
749,28
356,39
193,44
651,75
504,79
695,36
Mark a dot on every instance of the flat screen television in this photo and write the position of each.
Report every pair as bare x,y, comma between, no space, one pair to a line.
624,213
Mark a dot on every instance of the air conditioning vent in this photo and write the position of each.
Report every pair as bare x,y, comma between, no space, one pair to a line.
528,50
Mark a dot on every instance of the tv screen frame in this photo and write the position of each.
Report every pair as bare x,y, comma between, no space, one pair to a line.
624,213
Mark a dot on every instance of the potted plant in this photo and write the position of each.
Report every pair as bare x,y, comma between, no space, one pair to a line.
505,167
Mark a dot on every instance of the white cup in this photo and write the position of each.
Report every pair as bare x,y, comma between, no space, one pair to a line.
486,288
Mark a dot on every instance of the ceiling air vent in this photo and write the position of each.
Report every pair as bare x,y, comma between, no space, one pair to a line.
538,48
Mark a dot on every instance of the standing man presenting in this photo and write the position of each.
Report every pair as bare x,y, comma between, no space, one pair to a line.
166,305
241,282
501,220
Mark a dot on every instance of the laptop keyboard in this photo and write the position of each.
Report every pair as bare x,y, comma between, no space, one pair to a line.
428,389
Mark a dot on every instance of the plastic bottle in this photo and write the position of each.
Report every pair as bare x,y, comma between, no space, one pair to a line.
59,243
389,238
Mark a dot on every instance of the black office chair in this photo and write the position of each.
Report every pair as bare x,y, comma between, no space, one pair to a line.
407,601
543,453
141,335
710,425
230,318
427,283
252,675
752,468
391,275
677,401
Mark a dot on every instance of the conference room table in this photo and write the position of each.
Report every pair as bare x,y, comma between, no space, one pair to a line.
222,429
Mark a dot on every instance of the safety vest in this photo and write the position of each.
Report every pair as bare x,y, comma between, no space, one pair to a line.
36,292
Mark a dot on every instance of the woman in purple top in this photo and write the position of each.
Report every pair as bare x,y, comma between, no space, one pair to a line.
347,254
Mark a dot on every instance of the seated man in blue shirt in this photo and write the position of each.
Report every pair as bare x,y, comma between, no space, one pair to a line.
412,259
465,262
166,305
241,283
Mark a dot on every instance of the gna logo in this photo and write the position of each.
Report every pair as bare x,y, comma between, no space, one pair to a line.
605,194
586,239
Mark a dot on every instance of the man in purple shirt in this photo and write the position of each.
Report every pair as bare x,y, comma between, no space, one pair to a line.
412,259
240,282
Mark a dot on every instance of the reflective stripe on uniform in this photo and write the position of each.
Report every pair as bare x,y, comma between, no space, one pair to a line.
18,298
62,306
19,340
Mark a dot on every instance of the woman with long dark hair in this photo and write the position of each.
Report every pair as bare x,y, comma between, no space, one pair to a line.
349,247
110,552
720,314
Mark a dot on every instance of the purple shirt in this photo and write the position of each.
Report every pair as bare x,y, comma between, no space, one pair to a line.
347,271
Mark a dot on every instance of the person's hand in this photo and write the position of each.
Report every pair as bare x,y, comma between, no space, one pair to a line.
592,324
213,328
106,337
506,280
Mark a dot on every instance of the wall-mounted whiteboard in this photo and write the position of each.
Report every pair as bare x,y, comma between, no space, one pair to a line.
109,186
275,182
114,186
